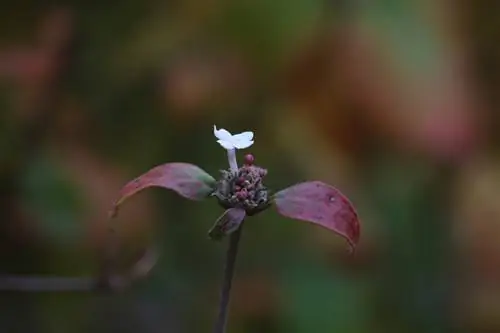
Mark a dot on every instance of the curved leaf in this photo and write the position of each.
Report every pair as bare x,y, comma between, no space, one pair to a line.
227,223
188,180
322,204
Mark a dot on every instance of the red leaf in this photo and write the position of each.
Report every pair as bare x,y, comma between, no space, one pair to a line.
227,223
188,180
321,204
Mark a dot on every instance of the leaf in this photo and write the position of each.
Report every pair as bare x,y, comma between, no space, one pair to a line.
322,204
188,180
227,223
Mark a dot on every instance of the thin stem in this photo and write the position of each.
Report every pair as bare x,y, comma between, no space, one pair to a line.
232,251
231,157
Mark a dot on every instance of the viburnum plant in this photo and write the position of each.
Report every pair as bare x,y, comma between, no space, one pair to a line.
242,193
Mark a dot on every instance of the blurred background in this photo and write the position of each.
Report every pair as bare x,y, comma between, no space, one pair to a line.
393,102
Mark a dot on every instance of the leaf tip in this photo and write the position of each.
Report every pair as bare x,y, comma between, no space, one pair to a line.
113,212
227,223
214,236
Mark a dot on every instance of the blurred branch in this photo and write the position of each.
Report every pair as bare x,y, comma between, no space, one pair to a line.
35,283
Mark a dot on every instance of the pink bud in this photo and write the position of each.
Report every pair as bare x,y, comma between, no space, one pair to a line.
249,159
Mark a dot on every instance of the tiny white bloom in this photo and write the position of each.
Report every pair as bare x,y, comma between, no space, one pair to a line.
237,141
232,142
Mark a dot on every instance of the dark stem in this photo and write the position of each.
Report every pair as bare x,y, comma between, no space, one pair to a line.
232,251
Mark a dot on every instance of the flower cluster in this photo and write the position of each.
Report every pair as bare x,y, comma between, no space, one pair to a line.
243,189
241,192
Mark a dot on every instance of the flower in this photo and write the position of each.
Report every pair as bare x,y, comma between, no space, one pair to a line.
249,159
237,141
242,193
232,142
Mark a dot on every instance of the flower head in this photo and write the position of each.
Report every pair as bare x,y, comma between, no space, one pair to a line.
244,189
249,159
237,141
241,191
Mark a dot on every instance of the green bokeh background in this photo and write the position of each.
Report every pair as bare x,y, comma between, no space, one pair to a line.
393,102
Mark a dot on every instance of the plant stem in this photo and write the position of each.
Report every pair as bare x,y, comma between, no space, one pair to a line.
232,251
231,157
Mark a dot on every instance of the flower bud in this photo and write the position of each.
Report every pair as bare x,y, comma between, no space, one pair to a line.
249,159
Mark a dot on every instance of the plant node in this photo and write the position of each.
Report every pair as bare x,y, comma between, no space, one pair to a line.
243,189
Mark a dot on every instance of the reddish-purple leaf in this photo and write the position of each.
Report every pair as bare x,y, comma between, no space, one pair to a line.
188,180
321,204
227,223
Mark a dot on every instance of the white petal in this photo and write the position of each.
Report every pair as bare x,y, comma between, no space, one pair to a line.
242,144
245,136
222,134
226,144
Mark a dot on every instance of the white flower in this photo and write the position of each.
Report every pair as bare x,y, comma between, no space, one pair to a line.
237,141
232,142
